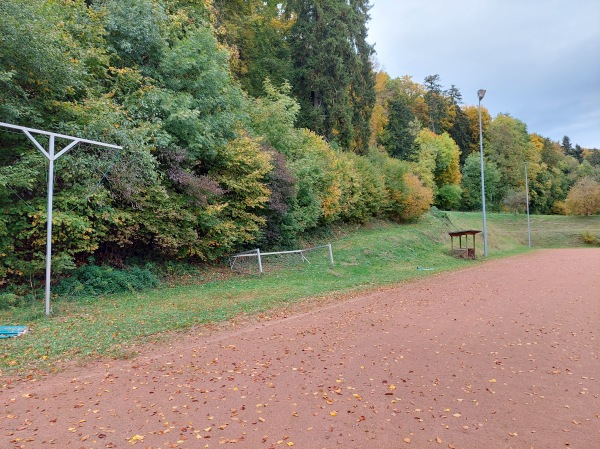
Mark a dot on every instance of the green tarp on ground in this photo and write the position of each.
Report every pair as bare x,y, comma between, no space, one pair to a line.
12,331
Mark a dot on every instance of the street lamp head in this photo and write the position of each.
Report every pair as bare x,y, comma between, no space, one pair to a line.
481,94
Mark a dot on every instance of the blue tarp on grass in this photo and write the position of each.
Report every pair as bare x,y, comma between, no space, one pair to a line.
12,331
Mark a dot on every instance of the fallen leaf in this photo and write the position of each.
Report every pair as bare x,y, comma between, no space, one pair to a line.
134,439
334,413
406,440
492,381
438,440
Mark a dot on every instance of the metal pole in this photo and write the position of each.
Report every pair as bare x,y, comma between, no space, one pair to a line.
49,223
330,254
51,156
260,269
527,199
485,246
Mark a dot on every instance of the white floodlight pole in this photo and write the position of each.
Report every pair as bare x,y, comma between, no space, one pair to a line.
52,156
480,95
527,200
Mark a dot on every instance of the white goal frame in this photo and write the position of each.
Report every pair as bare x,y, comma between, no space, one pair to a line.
259,255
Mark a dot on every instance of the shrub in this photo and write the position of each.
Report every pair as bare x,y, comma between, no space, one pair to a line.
94,280
8,300
363,189
590,239
407,197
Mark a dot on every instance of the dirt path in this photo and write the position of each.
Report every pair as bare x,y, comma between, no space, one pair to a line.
503,355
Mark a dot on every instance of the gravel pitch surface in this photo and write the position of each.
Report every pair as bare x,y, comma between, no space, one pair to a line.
502,355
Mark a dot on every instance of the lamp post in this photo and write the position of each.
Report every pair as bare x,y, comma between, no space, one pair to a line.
527,200
480,95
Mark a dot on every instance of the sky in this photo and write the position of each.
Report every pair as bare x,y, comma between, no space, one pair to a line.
538,60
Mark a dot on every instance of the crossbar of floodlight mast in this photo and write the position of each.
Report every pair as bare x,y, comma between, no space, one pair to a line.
52,156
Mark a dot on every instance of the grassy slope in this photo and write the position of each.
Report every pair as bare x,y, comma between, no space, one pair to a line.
376,255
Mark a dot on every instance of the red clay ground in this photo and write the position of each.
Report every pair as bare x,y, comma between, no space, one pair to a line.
503,355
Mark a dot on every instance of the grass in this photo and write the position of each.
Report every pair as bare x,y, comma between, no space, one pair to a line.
376,255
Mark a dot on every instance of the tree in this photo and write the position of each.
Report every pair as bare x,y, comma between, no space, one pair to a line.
332,73
436,160
584,198
256,32
567,146
398,135
460,130
593,157
471,183
40,61
472,113
437,104
135,32
379,116
508,146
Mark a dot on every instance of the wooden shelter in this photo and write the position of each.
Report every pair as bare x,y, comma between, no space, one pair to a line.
463,250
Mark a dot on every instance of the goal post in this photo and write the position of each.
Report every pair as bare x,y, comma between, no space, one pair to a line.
52,155
236,259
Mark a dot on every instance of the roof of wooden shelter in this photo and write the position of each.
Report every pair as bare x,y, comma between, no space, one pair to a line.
464,232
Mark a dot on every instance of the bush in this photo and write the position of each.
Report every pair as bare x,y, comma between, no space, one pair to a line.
8,300
407,197
590,239
363,189
94,280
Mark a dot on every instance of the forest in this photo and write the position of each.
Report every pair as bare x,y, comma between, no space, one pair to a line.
243,124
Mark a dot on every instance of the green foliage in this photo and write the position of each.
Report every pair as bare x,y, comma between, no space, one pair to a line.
93,280
257,33
508,146
437,159
312,163
471,183
363,189
135,31
406,196
449,197
398,136
9,300
332,73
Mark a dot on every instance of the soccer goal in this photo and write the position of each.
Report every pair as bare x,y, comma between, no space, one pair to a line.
250,261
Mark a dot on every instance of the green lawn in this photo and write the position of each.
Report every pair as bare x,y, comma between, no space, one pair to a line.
375,255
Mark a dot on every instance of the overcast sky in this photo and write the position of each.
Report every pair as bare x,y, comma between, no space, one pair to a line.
539,60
